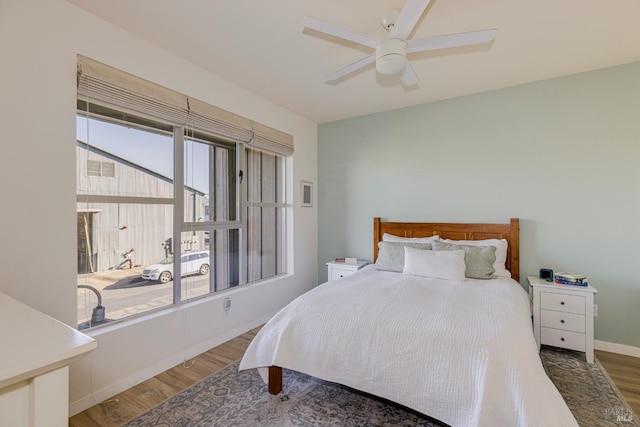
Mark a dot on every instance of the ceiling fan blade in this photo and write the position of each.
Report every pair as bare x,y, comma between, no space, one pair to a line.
409,15
451,40
409,76
343,33
350,68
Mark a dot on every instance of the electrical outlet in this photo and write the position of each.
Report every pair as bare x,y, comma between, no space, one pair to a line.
595,310
227,304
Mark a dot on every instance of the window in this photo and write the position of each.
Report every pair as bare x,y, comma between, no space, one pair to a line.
211,169
123,220
265,214
171,207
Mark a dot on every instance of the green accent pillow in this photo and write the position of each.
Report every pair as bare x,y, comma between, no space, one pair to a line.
478,259
391,255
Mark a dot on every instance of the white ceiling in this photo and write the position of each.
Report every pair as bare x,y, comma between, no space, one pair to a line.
260,45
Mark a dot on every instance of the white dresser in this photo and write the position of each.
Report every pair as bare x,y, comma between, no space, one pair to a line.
562,315
35,354
338,270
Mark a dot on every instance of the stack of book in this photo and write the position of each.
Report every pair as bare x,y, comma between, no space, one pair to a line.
567,278
346,260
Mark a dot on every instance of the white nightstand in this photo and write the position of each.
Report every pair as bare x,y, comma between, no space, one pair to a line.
562,315
338,270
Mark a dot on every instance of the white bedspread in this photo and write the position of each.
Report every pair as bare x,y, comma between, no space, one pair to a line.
460,352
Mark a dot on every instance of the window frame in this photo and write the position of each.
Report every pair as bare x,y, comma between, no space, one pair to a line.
115,96
180,225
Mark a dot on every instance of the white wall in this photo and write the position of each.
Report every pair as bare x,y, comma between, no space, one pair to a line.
39,41
561,154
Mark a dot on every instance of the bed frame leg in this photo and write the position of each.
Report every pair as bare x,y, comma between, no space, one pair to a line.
275,379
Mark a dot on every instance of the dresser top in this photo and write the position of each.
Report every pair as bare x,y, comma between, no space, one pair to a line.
34,343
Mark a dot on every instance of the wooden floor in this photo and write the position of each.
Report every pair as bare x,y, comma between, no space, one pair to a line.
623,370
142,397
625,373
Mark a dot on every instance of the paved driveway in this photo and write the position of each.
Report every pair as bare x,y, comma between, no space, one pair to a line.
125,293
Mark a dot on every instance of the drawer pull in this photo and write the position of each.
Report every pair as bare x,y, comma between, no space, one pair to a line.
561,302
561,320
562,339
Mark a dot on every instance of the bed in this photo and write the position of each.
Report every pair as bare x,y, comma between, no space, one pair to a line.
457,349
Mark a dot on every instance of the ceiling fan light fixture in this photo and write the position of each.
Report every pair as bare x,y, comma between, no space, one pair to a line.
391,56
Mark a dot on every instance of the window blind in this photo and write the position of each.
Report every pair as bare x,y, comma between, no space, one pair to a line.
112,88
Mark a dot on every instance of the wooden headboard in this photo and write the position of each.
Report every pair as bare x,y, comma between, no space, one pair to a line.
456,231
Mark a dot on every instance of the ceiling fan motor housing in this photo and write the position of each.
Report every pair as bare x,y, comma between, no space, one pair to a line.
391,56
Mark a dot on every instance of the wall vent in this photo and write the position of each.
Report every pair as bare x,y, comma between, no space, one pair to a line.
105,169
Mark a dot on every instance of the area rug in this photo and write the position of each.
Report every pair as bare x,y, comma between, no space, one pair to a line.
588,390
231,398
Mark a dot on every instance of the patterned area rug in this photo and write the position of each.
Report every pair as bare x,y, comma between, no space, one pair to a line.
231,398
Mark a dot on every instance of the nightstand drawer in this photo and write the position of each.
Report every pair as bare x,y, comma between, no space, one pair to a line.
338,273
562,302
564,339
565,321
338,270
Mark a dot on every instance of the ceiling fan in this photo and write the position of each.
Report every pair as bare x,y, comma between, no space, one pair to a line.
390,54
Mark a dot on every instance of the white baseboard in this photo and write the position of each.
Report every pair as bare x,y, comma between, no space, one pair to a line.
166,364
612,347
122,385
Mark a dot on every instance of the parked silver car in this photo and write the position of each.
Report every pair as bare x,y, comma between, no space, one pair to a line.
192,263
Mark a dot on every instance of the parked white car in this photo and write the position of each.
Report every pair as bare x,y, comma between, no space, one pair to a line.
192,263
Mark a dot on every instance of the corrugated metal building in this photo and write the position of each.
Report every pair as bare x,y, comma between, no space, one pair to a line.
107,230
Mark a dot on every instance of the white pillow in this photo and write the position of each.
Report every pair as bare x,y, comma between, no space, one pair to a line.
499,266
386,237
447,265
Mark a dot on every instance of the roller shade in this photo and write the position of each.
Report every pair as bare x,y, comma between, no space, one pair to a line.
112,88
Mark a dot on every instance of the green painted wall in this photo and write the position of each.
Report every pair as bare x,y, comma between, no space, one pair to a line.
560,154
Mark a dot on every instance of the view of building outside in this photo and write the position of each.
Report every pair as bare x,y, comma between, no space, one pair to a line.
125,218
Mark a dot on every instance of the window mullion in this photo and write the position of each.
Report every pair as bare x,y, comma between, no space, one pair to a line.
91,198
178,213
243,205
